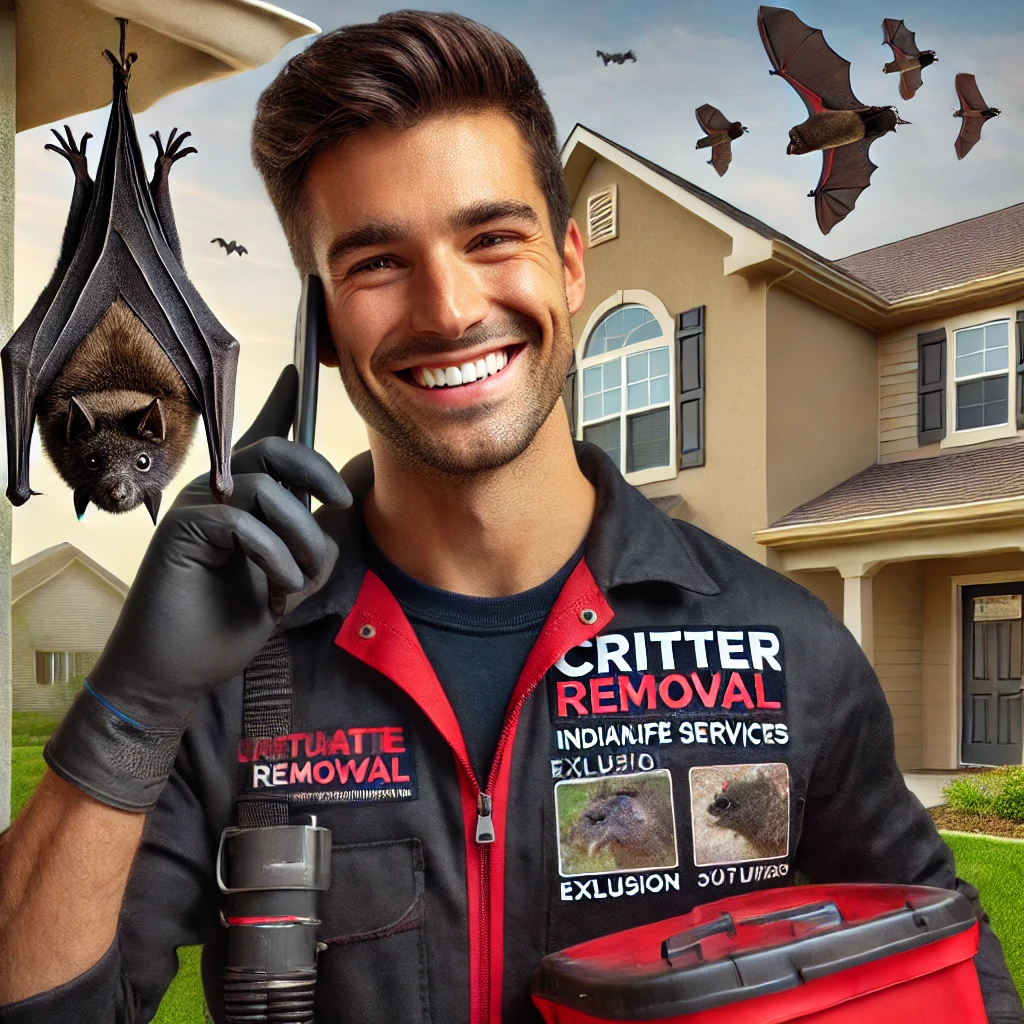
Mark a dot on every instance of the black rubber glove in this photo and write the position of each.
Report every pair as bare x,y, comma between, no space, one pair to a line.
197,613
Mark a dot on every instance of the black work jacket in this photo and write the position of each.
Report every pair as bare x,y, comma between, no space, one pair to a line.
675,685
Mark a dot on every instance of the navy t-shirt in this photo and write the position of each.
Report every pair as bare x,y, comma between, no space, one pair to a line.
476,645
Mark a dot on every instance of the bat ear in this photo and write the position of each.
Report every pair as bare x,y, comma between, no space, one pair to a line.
151,421
152,502
81,501
80,420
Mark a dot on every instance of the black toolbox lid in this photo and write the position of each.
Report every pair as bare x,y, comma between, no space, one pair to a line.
747,946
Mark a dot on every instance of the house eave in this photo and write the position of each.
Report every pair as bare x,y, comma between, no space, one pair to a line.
1002,512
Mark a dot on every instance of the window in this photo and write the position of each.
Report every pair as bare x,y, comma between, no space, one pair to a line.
981,370
627,392
60,667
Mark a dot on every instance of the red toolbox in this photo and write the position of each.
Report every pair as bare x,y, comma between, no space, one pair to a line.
828,954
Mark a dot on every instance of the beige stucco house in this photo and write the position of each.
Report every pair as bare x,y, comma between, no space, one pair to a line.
63,607
856,424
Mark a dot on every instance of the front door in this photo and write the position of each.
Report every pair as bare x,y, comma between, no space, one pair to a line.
992,674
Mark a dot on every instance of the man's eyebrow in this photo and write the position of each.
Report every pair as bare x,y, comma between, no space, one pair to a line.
374,233
495,209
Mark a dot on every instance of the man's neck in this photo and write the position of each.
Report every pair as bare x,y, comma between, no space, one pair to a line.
490,534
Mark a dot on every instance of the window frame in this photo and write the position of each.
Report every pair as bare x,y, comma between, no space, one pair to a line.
977,435
629,296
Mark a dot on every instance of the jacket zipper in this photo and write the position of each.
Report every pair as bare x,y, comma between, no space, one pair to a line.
485,837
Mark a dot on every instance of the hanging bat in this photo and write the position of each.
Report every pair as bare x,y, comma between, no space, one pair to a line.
907,58
231,246
616,58
838,124
119,355
974,112
720,133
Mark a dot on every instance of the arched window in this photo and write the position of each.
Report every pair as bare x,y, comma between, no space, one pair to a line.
626,401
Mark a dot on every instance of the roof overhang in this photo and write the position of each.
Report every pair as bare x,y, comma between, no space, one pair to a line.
859,547
61,71
773,261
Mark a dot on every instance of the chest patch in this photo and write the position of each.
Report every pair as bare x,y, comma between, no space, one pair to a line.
365,764
735,670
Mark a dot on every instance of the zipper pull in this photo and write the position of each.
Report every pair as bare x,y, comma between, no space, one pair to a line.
484,825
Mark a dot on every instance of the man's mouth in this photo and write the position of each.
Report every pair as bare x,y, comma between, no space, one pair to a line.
459,374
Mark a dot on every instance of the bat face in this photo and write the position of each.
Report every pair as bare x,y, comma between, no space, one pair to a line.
117,462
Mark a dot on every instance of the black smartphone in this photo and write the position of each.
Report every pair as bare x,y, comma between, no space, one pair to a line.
310,327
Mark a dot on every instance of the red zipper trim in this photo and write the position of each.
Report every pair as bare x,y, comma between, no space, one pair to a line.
394,650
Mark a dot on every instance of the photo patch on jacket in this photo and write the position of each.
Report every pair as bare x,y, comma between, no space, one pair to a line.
331,766
740,812
735,670
613,825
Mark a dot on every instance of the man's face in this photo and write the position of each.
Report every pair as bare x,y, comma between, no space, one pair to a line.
447,297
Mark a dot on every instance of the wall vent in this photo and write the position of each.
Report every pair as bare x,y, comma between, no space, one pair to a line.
602,216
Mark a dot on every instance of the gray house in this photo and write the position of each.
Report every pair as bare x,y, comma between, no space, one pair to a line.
63,607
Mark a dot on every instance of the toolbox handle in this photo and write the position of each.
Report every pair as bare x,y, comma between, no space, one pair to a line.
685,945
683,949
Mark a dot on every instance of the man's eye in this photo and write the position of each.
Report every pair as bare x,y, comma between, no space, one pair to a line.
490,241
377,263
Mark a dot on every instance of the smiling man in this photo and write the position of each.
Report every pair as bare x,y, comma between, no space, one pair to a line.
530,708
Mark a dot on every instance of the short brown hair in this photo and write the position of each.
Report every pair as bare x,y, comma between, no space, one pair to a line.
395,72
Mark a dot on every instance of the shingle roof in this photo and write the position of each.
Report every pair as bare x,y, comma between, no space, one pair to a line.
965,251
957,478
37,569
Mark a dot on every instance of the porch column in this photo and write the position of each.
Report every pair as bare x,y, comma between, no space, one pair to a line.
858,605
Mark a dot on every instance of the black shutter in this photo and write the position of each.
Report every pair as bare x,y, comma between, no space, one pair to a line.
690,356
570,398
931,386
1020,369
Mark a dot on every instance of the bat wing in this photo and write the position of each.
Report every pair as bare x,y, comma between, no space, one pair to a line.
969,94
122,251
900,38
711,119
910,82
845,173
969,137
800,55
721,157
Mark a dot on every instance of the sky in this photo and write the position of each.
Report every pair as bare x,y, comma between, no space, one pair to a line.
689,52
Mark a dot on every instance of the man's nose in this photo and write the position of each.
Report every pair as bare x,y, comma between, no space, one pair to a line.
448,296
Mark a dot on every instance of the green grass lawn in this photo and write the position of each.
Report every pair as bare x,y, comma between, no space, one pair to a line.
995,867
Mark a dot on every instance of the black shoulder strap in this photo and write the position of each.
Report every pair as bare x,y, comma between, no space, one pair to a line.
266,711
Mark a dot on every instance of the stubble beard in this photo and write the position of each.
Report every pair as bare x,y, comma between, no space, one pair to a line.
500,438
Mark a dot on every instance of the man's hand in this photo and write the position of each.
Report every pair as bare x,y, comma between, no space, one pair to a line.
197,613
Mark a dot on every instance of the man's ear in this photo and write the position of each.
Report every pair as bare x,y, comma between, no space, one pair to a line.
572,263
325,350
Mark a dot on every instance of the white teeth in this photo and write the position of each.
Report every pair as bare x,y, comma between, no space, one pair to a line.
467,373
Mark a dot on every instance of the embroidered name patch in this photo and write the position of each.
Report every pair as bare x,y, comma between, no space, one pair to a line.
355,765
734,670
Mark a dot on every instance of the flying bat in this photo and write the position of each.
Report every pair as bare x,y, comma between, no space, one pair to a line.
230,247
974,112
907,58
838,124
119,355
616,58
720,133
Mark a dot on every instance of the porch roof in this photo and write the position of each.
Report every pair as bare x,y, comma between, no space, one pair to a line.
954,478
